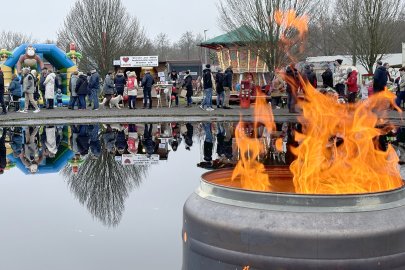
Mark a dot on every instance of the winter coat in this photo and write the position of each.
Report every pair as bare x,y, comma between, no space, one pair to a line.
327,78
3,152
1,82
48,139
293,83
108,87
278,87
94,82
219,80
50,86
352,82
28,84
132,88
120,82
402,82
339,76
228,78
72,85
207,78
82,85
41,83
15,87
147,80
380,78
58,82
188,84
311,77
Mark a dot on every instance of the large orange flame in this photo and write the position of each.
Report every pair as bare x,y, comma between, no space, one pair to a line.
338,150
251,172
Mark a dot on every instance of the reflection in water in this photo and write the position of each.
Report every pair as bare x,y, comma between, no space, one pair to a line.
101,184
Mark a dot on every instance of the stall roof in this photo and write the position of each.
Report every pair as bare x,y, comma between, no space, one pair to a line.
232,38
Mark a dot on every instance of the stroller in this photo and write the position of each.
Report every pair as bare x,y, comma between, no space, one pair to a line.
8,100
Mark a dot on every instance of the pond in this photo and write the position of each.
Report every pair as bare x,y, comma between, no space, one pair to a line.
111,196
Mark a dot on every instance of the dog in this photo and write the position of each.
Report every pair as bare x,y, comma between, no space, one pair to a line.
114,101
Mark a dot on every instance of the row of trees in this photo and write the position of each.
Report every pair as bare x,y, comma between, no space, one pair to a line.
366,29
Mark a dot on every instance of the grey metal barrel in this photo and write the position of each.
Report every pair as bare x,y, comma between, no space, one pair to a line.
228,228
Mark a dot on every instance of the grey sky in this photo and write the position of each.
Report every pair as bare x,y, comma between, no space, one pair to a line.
43,18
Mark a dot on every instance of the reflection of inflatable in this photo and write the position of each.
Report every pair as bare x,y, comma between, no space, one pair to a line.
50,52
48,165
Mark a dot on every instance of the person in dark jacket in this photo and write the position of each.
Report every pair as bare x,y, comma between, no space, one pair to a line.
207,147
42,78
219,80
3,104
120,82
95,143
227,87
310,75
83,140
94,86
16,91
207,85
292,88
188,136
121,142
380,78
327,77
147,82
3,151
188,84
82,90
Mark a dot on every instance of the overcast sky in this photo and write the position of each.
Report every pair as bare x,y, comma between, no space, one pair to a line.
42,18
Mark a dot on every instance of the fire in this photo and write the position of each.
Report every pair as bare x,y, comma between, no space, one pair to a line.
338,150
252,173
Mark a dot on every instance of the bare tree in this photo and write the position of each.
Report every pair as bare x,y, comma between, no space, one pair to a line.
103,30
369,27
162,46
254,22
186,43
10,40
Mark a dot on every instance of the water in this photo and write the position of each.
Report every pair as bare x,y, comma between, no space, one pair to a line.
89,207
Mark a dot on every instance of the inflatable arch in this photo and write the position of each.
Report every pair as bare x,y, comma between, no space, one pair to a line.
50,52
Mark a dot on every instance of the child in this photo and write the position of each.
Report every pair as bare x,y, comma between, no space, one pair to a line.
59,98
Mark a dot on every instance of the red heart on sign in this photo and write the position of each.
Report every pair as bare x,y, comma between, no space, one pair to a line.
126,59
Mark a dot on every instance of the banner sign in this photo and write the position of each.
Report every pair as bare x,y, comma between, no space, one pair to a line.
139,61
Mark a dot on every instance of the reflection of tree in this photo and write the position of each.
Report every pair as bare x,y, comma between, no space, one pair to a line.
103,184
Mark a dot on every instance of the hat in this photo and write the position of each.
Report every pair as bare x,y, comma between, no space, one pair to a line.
81,73
93,71
340,61
34,72
207,66
379,62
349,70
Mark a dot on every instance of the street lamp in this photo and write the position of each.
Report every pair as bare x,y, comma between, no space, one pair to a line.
205,39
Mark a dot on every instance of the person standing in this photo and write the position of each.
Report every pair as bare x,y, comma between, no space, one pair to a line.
147,82
50,90
132,89
82,90
94,86
42,78
74,98
292,88
401,83
15,90
3,151
3,104
59,98
219,80
188,84
327,77
28,89
207,85
108,89
352,86
227,87
339,78
120,82
278,88
310,75
380,78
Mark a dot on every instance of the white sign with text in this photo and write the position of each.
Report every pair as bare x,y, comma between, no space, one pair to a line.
139,61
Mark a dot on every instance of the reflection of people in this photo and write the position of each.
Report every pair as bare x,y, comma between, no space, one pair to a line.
48,139
188,136
95,144
3,152
207,148
147,141
16,141
224,138
121,142
133,139
109,139
31,157
83,140
175,142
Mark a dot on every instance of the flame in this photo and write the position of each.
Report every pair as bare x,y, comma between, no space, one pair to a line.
338,150
252,173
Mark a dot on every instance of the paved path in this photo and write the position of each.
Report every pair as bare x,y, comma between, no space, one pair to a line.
65,116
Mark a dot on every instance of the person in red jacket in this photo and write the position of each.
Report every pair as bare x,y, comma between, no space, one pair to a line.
352,86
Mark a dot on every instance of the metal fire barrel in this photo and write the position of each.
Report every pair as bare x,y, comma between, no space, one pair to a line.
230,228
